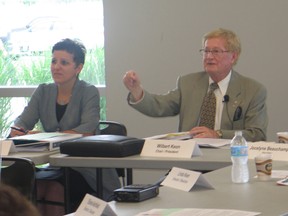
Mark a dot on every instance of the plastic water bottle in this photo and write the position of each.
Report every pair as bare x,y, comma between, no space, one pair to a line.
239,157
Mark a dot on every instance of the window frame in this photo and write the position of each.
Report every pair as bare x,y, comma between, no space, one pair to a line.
27,91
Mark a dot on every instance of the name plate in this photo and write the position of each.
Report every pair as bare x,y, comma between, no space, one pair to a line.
279,151
92,206
170,148
184,179
5,147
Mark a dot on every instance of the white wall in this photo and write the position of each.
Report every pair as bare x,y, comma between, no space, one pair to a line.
160,39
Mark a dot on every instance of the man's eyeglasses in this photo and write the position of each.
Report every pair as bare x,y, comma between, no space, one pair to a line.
214,52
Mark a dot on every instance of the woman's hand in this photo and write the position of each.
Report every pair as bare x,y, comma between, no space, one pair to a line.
17,131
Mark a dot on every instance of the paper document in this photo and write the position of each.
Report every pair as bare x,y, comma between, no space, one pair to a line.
202,142
38,142
173,136
211,142
197,212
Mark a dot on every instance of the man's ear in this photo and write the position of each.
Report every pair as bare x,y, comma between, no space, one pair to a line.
234,57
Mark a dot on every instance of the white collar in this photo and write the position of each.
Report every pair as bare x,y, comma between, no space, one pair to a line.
223,84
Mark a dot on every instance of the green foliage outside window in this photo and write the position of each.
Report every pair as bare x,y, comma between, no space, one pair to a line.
7,74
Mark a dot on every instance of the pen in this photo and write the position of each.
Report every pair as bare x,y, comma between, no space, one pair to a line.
19,129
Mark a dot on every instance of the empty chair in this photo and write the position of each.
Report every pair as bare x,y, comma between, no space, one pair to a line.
78,186
116,128
112,127
20,174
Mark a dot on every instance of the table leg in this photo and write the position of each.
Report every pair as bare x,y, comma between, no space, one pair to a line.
129,176
67,190
99,183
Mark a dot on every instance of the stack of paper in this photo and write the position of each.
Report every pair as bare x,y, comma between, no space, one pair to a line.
173,136
42,141
202,142
211,142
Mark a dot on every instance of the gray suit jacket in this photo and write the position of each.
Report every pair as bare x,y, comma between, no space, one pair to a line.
247,102
81,115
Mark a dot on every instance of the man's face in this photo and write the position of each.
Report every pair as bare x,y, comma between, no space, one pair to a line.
219,61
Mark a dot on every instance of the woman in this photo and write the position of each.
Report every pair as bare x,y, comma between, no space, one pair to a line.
68,105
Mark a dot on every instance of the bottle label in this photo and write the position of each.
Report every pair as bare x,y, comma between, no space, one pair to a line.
239,151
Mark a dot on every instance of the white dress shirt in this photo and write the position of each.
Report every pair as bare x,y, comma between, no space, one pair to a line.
220,93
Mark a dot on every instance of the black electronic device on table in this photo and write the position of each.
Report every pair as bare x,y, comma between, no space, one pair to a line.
136,192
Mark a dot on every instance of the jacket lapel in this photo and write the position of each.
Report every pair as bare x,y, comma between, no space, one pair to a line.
235,99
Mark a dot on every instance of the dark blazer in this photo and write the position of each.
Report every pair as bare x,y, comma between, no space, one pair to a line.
246,109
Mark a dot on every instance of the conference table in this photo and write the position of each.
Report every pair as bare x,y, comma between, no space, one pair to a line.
212,159
268,198
37,157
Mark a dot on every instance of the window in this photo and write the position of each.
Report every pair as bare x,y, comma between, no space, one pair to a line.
28,30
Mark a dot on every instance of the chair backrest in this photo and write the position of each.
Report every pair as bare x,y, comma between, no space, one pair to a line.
20,174
112,127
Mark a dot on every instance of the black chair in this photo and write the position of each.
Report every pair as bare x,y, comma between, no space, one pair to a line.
116,128
78,186
20,174
112,127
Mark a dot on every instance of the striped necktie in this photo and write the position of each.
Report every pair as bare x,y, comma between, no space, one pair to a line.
208,109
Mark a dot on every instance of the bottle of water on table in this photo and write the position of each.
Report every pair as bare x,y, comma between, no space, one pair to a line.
239,157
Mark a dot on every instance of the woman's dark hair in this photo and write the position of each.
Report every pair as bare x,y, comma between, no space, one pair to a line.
74,47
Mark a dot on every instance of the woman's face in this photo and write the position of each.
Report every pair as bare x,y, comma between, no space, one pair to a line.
63,68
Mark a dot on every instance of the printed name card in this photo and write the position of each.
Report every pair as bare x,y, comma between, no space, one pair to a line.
170,148
92,206
279,151
5,147
183,179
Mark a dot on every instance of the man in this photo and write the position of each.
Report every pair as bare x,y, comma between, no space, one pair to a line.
240,101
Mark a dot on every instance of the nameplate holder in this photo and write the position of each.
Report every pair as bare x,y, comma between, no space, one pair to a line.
170,148
92,206
6,147
183,179
279,151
